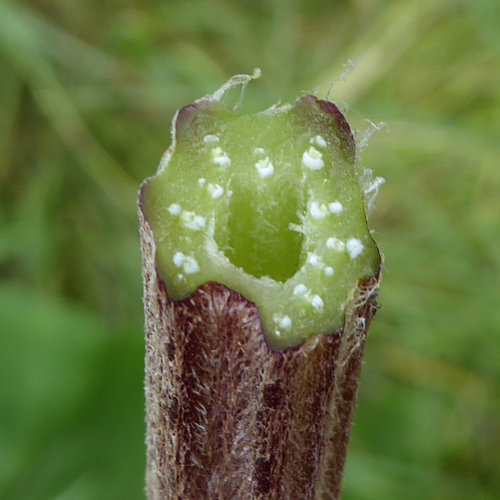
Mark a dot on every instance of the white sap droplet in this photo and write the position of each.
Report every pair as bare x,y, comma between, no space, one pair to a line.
178,259
286,322
335,244
188,264
313,259
211,138
199,221
317,211
222,161
201,181
335,207
319,141
191,266
283,321
259,151
265,167
174,209
329,271
354,247
215,190
300,289
317,302
277,333
193,221
220,158
312,159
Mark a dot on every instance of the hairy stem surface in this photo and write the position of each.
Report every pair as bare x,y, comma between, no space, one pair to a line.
260,277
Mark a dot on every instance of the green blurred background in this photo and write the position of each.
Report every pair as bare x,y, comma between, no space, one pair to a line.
87,91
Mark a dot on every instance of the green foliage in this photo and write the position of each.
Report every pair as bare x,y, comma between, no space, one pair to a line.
87,92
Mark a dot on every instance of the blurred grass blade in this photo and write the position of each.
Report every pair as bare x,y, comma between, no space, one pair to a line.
20,42
380,45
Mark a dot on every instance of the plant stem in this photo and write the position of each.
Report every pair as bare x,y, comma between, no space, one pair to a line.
230,418
260,278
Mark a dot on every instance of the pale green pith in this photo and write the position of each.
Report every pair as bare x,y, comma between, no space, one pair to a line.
291,239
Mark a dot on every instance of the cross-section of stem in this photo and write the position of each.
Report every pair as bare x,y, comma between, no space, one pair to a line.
260,279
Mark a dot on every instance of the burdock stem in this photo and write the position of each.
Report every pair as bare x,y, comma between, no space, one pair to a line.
260,279
230,418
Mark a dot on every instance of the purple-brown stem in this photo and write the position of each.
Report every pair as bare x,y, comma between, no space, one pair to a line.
230,418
